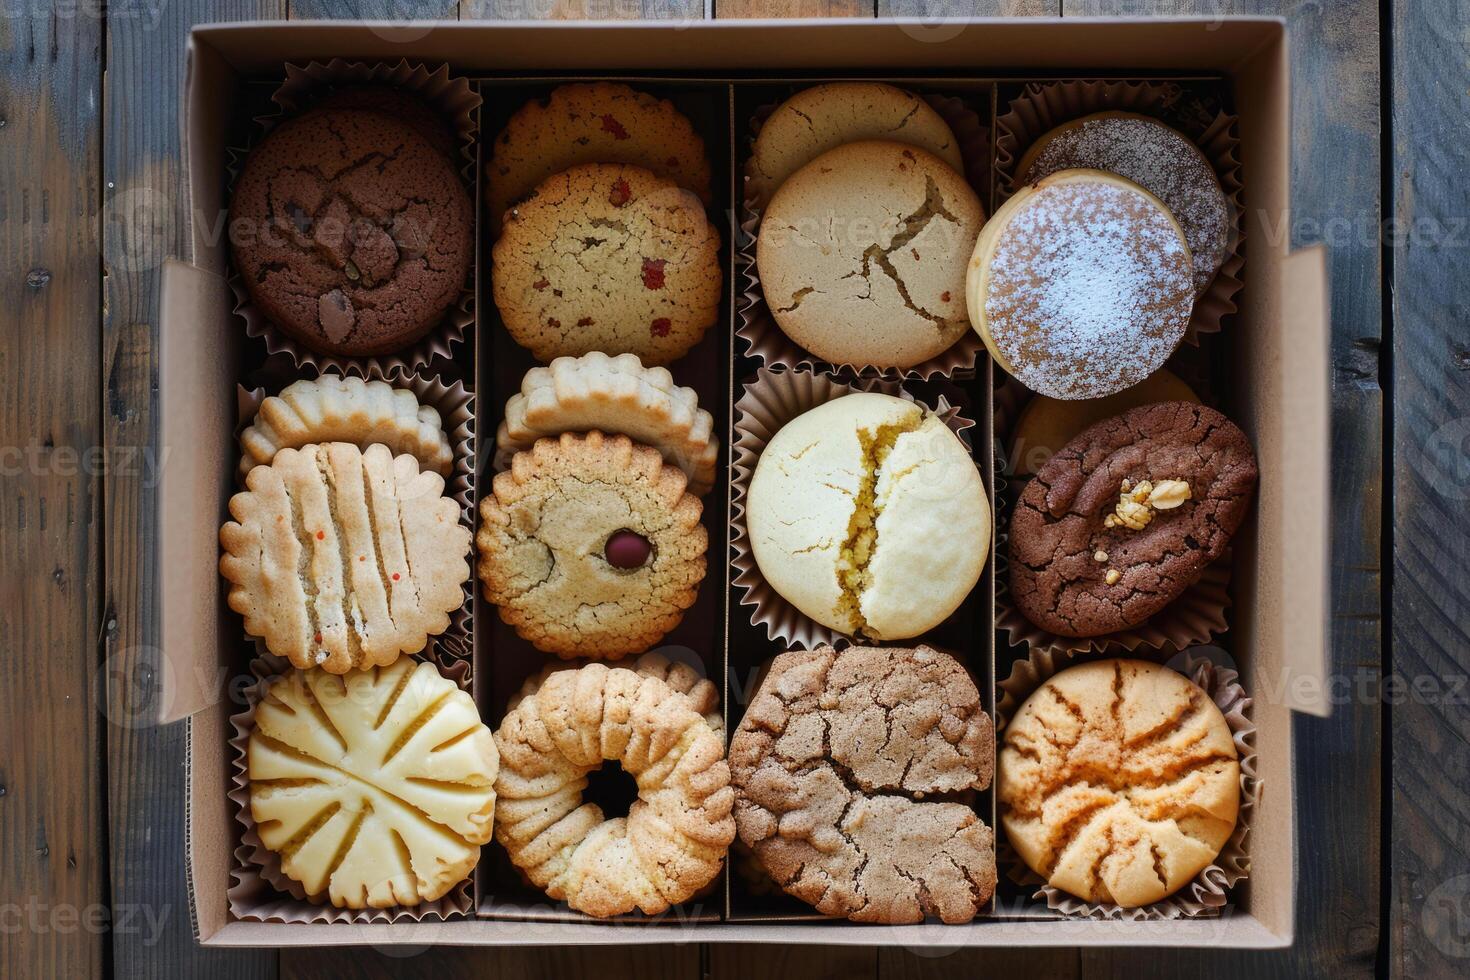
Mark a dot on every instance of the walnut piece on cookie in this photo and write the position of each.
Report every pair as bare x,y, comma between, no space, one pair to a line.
608,257
343,558
673,841
831,766
376,789
548,537
1118,781
616,395
332,408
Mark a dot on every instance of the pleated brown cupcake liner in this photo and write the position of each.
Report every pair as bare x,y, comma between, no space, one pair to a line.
456,407
1208,893
1043,106
769,401
453,98
261,891
766,341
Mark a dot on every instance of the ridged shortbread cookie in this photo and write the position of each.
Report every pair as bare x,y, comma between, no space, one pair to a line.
614,395
590,547
831,764
1118,781
344,558
376,789
868,515
823,117
337,409
593,122
684,678
608,257
673,841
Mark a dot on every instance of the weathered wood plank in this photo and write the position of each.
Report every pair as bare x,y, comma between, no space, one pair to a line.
1430,883
520,962
968,8
53,865
742,962
729,9
582,9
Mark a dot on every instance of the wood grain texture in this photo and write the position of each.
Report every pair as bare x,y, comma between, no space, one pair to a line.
518,962
52,859
729,9
968,8
1430,885
582,9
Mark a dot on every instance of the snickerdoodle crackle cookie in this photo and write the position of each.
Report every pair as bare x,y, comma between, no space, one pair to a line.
831,765
1119,781
608,257
342,558
673,841
590,546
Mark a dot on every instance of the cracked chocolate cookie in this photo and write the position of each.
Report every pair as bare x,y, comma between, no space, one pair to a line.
833,765
868,515
351,231
824,117
607,257
594,122
862,254
590,547
1081,285
1118,782
1127,516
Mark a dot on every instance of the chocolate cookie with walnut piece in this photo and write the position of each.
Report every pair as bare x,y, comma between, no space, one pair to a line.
1127,516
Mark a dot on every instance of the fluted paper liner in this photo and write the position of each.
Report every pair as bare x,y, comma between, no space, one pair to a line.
767,342
452,97
1208,892
770,400
1042,107
261,891
456,408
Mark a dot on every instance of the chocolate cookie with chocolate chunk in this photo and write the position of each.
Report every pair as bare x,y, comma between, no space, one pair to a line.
352,231
1127,516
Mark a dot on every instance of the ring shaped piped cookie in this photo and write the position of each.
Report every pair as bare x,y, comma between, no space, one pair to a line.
1081,285
673,841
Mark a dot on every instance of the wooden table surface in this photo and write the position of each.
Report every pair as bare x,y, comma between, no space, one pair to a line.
91,199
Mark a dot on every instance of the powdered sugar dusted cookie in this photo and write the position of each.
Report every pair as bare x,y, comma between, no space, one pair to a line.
615,395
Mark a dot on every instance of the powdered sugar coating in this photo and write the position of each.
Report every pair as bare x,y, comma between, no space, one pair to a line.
1160,160
1090,288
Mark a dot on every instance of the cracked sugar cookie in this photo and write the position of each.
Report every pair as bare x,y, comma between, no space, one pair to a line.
351,231
614,395
868,514
1118,782
337,409
377,788
606,257
832,765
590,547
862,254
1127,516
673,841
594,122
343,558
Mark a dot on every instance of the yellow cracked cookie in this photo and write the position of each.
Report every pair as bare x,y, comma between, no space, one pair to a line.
862,254
332,408
1118,781
594,122
868,514
610,258
673,841
614,395
377,788
342,558
590,547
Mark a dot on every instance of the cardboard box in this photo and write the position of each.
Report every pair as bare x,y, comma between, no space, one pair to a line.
1278,350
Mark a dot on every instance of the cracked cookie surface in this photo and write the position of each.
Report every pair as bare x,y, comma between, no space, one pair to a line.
831,765
1118,781
343,558
544,545
862,254
1061,523
868,514
608,257
351,231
